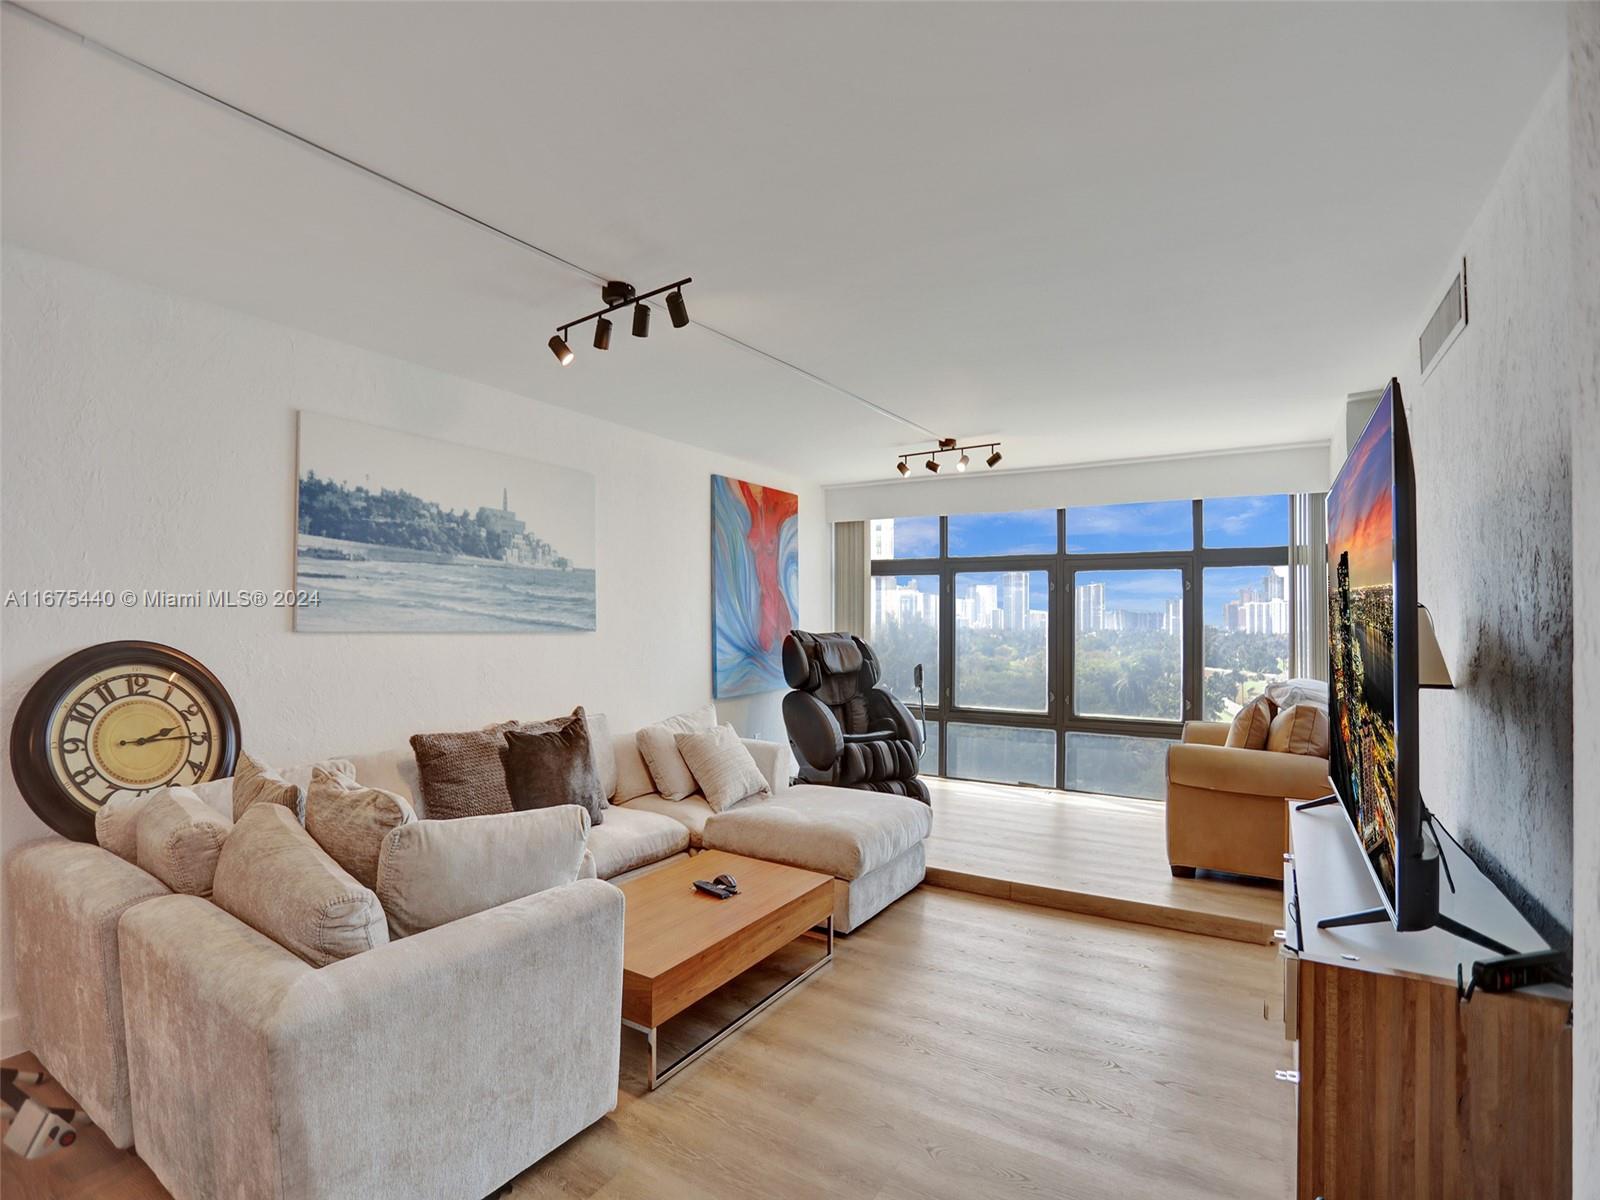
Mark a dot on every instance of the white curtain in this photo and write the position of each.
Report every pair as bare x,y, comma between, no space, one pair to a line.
852,578
1308,585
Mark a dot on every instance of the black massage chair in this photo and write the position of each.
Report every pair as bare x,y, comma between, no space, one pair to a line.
845,730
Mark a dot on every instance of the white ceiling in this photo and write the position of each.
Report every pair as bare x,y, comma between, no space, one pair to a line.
1095,231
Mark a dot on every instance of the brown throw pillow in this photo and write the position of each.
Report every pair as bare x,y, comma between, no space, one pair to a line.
1251,726
552,763
1300,729
463,774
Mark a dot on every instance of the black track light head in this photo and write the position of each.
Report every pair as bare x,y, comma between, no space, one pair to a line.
677,310
602,334
932,464
993,458
562,351
902,468
641,320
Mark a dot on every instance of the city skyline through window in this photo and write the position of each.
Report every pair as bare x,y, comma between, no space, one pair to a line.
1087,652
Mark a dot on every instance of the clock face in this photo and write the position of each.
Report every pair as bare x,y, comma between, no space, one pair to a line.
132,728
118,720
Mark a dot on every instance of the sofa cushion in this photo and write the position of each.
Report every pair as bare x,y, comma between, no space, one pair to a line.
434,872
691,812
1300,729
633,777
256,783
632,838
277,880
671,774
842,832
1251,725
552,763
463,774
116,825
724,772
350,820
179,839
604,751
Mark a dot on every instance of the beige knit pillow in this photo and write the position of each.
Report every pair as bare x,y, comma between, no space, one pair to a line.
1251,725
671,774
179,838
1300,729
350,820
722,767
275,879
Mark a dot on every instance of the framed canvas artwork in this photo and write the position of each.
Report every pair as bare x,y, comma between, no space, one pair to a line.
398,533
755,584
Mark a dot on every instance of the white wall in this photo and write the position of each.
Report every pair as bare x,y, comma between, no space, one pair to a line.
1297,468
149,442
1584,108
1491,431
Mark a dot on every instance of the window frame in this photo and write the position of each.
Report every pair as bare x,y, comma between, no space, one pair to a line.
1061,569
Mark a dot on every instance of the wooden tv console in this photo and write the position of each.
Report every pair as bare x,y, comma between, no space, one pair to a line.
1403,1091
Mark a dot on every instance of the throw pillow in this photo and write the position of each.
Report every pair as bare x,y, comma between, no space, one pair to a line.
552,763
605,754
633,777
116,825
671,774
463,774
349,821
277,880
179,839
1251,725
434,872
1301,729
254,782
722,767
1286,693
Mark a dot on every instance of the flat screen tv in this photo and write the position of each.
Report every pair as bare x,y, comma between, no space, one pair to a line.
1372,639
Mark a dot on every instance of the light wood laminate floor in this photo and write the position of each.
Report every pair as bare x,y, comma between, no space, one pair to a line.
959,1048
1101,855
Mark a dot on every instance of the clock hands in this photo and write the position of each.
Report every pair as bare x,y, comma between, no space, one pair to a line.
159,735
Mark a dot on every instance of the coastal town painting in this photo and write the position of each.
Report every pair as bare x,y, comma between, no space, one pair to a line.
398,533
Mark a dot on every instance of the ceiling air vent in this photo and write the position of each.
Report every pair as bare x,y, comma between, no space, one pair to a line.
1446,324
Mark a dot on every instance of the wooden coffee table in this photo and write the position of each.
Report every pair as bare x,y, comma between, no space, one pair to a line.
680,944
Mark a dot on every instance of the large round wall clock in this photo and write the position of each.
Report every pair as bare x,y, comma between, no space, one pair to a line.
116,719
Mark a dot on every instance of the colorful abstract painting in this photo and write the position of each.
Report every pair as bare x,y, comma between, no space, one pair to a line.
755,584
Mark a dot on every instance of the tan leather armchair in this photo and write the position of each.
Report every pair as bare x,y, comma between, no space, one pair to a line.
1227,809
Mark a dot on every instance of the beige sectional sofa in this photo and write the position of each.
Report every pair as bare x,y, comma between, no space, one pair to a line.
237,1069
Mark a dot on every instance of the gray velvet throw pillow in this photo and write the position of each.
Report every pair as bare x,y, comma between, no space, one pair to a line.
552,763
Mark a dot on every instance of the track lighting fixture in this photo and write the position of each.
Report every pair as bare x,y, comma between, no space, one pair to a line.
618,294
677,310
948,446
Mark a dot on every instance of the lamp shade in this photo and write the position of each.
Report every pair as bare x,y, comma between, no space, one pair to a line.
1431,669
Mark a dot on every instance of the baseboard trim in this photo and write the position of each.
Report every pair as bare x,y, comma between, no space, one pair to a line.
11,1035
1136,912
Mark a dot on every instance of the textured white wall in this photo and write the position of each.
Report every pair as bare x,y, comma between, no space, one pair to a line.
1491,437
149,442
1584,107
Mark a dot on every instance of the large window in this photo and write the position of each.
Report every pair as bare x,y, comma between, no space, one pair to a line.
1246,635
1002,622
1066,647
1127,644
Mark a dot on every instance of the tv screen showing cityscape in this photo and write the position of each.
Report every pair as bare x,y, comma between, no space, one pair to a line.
1361,625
